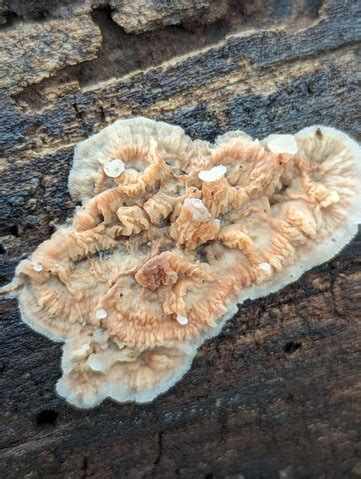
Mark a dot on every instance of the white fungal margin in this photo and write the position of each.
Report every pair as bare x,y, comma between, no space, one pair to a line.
100,359
282,144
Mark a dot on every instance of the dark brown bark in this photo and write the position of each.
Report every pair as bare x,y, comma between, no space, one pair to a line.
277,393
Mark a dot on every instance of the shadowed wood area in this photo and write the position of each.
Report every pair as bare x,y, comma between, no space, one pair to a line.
277,393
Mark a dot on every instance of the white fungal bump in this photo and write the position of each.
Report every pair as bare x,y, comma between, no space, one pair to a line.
197,208
37,267
214,174
101,314
283,144
331,199
95,362
182,320
114,168
81,351
265,267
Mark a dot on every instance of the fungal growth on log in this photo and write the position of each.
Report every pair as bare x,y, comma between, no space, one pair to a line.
171,235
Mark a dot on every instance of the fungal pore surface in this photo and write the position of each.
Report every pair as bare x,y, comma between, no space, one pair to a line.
171,235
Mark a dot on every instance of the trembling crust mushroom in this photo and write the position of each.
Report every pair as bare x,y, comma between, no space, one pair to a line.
171,235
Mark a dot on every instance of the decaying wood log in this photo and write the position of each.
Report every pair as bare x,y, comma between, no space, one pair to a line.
277,393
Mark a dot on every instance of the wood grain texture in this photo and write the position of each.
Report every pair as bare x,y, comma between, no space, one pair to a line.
277,393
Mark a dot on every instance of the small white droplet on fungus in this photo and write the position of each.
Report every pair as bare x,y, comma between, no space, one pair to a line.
101,313
114,168
182,320
265,267
37,267
283,144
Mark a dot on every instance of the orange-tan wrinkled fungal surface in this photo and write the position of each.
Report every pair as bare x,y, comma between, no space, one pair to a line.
171,235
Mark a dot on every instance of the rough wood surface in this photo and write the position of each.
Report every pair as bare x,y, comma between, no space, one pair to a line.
277,393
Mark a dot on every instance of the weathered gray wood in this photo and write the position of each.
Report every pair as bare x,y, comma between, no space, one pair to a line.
277,393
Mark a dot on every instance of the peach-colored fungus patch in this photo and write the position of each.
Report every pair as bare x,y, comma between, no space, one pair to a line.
171,235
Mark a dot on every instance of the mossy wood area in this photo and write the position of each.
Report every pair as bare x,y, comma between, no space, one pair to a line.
277,393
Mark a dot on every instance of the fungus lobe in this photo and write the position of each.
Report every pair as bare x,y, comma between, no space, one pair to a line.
171,235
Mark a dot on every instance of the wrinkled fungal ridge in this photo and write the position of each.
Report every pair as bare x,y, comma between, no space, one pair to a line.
171,234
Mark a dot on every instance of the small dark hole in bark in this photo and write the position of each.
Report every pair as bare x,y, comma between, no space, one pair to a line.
12,230
2,249
10,19
3,280
52,228
291,347
48,417
209,475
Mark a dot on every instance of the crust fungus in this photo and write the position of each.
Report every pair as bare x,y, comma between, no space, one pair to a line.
171,235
